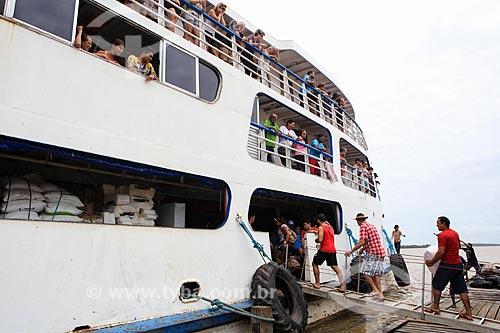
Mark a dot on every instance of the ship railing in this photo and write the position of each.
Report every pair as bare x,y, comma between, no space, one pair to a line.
355,178
269,71
284,154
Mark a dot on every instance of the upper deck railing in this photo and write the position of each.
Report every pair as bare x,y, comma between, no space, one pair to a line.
289,155
255,62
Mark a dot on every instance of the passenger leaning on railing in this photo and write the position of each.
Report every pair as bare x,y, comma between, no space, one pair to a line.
173,12
213,36
226,46
300,155
142,64
338,113
286,131
343,161
114,52
309,79
191,23
248,59
271,136
82,40
315,154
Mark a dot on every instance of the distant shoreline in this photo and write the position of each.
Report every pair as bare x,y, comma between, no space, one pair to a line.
427,245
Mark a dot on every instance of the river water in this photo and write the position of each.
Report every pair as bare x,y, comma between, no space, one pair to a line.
358,320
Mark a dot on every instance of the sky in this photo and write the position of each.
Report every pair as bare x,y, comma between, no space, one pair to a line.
424,80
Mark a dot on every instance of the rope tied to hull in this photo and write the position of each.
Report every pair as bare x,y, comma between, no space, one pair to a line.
220,305
256,244
389,243
352,239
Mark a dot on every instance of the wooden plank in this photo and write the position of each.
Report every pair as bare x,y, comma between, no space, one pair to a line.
486,308
393,326
417,326
494,312
477,308
261,326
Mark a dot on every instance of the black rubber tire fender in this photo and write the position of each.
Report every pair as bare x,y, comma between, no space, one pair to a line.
276,287
400,270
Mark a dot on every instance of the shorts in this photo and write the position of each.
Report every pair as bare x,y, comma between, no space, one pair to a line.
168,5
372,265
320,257
452,273
191,17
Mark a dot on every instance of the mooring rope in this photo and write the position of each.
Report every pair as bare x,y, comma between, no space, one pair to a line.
220,305
256,244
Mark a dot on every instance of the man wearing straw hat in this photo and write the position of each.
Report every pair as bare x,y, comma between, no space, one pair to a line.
372,266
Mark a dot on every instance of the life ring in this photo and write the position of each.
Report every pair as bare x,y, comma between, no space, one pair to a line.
400,270
275,286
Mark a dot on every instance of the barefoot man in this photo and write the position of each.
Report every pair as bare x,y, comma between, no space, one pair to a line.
326,251
372,266
450,269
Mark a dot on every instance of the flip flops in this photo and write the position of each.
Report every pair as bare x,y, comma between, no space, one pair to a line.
429,310
314,286
464,316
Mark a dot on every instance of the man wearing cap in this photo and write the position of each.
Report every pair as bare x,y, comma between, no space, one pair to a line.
326,251
372,266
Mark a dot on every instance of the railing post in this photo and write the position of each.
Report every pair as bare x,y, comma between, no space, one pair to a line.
345,272
360,258
422,303
161,13
285,86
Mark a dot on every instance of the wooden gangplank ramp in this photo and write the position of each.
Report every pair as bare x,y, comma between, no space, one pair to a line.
448,316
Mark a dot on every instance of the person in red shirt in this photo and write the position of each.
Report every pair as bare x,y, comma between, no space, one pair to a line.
372,265
450,268
326,251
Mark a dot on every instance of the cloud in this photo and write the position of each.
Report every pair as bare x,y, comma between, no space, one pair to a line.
423,78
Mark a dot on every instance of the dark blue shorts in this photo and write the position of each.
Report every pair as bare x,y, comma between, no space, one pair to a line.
320,257
452,273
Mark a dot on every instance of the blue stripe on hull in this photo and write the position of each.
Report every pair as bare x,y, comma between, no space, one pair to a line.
177,323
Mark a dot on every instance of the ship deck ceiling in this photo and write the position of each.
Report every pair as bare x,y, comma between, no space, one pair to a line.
269,105
291,59
68,170
300,66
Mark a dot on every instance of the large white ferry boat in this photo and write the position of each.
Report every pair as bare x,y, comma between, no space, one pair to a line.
122,197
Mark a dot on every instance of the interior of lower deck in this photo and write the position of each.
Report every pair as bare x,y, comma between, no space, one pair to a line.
131,191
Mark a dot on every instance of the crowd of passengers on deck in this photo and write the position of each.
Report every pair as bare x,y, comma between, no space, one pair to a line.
218,43
140,64
356,174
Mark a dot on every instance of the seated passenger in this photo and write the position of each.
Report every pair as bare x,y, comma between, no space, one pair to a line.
315,154
191,22
300,154
82,40
142,64
115,51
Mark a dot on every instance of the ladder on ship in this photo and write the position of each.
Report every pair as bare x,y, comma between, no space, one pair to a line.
412,310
